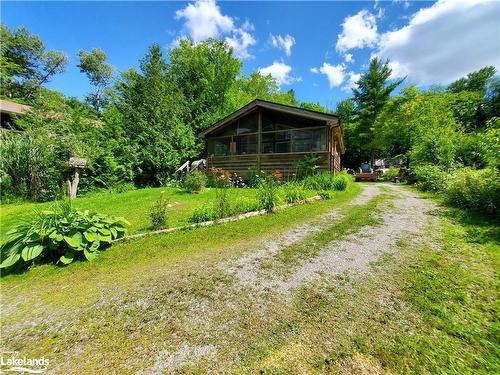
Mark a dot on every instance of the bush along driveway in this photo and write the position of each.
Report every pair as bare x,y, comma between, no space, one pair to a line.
376,281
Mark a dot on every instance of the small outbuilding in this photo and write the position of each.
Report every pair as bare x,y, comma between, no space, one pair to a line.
270,136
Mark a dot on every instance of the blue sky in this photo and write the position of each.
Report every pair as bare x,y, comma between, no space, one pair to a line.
316,48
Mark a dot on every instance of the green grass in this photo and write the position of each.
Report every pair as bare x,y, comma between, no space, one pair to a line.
431,307
133,205
164,270
350,222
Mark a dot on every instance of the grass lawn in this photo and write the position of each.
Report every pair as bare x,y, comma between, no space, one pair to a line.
429,307
133,205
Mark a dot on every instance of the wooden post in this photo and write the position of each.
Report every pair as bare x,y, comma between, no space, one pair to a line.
77,164
259,138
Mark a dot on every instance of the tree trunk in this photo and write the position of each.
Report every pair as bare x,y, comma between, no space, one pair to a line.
73,185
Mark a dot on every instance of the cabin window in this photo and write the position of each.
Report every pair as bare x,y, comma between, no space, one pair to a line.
248,124
309,140
246,144
313,140
219,146
229,130
245,125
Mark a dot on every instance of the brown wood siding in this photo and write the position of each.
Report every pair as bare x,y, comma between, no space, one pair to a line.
242,164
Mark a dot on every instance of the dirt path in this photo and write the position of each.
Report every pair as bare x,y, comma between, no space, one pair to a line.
260,291
405,216
253,270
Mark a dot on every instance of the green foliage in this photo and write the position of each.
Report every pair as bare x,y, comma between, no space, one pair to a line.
202,214
61,234
195,182
256,177
25,64
294,192
325,194
222,204
476,190
28,168
314,107
256,86
268,194
390,174
430,177
99,72
204,72
326,181
152,109
340,182
309,165
474,82
370,97
158,213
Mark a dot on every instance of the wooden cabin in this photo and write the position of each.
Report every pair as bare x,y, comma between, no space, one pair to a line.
269,136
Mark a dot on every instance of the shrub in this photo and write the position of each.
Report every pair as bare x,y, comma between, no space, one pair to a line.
390,174
319,181
477,190
222,207
201,214
430,177
244,206
61,234
294,192
340,182
158,213
256,177
268,194
28,164
308,165
195,182
122,187
325,194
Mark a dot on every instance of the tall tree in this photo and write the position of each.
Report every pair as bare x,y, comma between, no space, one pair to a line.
25,64
257,86
99,72
152,107
372,93
476,81
205,72
314,107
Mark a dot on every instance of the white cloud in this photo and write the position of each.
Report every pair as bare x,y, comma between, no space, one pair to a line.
281,72
351,82
283,42
241,41
203,20
348,58
444,41
358,31
334,73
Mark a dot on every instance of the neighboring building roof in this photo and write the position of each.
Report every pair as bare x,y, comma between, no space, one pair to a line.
13,108
302,112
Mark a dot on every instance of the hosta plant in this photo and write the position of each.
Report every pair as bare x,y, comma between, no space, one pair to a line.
62,235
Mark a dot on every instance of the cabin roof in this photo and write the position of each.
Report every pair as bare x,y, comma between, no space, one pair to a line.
13,108
283,108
